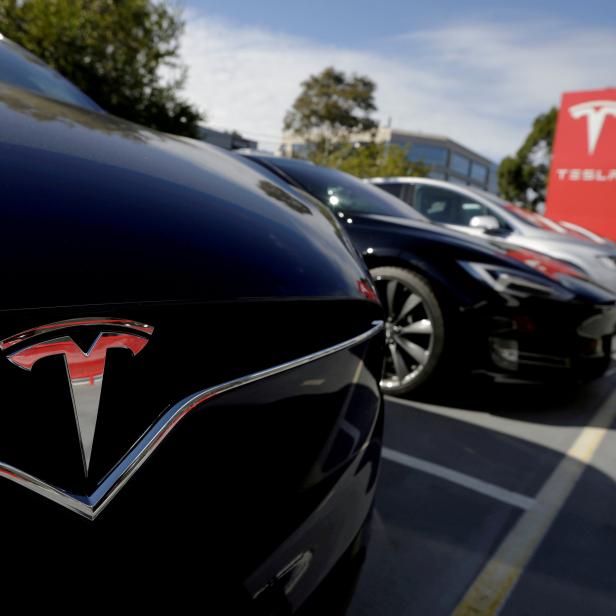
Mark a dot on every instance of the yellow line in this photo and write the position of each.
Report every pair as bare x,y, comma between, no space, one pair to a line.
491,588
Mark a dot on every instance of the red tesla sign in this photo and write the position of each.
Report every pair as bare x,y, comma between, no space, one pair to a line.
582,185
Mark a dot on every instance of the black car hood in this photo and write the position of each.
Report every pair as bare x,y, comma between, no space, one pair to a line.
98,210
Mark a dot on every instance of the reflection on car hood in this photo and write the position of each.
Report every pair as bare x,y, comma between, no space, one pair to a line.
96,209
441,232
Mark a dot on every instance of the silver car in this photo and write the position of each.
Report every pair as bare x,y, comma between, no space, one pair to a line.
482,214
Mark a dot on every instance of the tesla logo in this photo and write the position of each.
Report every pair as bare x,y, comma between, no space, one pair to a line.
85,369
595,113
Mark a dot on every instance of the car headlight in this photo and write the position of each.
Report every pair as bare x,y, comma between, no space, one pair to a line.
608,262
510,282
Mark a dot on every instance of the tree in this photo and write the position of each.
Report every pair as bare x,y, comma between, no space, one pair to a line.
370,159
523,178
332,113
113,50
331,108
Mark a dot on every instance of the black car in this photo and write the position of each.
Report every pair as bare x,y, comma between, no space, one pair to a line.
190,362
455,302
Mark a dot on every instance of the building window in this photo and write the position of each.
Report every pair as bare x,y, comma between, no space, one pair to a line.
429,154
479,172
436,175
460,164
493,179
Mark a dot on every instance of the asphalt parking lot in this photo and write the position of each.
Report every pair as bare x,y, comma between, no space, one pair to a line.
496,499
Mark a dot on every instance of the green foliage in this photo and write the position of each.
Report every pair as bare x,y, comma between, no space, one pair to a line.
523,178
370,160
113,50
510,180
331,107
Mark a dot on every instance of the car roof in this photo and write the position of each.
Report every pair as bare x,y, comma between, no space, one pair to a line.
412,179
268,156
474,191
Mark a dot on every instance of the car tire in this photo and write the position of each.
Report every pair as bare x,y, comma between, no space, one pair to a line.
415,330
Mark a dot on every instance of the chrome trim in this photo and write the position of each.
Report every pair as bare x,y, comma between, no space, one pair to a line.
288,577
91,506
7,343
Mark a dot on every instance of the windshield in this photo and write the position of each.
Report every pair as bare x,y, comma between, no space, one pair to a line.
20,68
531,218
342,192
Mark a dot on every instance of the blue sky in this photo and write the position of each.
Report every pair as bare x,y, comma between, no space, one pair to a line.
360,22
478,71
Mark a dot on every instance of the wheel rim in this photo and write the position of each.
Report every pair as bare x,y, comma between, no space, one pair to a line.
409,332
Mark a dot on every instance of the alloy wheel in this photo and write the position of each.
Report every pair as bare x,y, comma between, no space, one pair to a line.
408,331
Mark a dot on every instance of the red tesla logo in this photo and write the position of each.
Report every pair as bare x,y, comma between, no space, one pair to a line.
81,366
84,369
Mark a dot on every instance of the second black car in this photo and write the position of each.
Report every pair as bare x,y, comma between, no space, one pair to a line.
457,302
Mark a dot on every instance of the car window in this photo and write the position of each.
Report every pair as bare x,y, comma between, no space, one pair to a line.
402,190
342,192
392,188
20,68
448,207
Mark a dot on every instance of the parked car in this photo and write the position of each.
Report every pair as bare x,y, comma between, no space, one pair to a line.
480,213
190,359
455,302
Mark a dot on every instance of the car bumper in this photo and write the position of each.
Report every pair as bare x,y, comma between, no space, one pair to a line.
539,340
328,546
250,502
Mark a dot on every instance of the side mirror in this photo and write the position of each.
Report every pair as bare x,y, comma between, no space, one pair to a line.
489,224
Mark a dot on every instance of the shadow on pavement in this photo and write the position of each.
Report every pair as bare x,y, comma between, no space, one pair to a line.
564,403
430,537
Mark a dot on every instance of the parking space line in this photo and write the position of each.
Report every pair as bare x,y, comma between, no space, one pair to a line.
492,587
540,434
467,481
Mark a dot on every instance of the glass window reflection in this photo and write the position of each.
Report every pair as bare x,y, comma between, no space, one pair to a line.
20,68
460,164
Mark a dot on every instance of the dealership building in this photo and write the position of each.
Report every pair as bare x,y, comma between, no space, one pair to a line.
446,158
